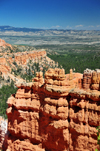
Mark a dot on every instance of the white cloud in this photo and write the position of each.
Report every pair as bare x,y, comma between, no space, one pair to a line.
68,27
98,25
77,26
91,26
57,26
44,28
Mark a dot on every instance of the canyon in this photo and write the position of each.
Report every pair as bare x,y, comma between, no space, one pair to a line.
57,113
10,60
53,112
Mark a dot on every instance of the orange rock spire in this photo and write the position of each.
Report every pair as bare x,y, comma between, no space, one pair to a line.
57,113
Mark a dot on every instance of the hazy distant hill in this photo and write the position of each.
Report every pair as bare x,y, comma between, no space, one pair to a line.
10,28
51,32
24,29
52,39
54,31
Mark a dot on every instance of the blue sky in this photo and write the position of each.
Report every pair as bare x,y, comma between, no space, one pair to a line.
46,14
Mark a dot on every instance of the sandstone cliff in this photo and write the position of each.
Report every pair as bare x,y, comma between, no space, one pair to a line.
58,113
10,61
21,58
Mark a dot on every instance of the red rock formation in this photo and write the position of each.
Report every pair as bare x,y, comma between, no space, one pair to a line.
58,113
10,60
21,58
4,44
87,75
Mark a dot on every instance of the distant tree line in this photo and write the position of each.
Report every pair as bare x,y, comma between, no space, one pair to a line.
79,61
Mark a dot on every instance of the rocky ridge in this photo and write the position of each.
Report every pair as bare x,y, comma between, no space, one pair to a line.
4,45
10,60
56,113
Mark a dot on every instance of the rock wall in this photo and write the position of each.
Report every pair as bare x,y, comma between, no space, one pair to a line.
24,57
20,58
7,58
58,113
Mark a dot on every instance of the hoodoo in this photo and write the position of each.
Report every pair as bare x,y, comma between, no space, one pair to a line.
58,113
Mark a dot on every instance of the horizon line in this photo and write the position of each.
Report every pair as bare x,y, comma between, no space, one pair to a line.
51,28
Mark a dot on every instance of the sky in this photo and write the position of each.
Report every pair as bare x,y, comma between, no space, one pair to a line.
51,14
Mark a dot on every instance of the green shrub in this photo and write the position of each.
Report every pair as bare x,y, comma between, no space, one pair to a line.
98,138
5,93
